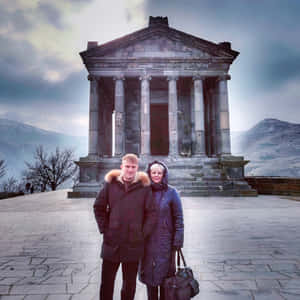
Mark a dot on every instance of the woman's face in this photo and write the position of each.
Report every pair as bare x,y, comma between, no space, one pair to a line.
156,175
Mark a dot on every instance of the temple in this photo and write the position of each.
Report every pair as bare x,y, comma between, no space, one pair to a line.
162,94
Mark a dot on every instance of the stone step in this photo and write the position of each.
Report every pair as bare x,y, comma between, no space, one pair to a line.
211,165
186,166
187,182
198,187
194,194
196,191
202,188
189,186
200,183
229,193
198,174
206,193
185,179
212,172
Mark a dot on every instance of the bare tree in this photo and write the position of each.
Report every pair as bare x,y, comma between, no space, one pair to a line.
50,170
2,168
36,172
10,185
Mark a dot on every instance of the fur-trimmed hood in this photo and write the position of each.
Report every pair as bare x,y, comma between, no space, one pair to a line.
117,174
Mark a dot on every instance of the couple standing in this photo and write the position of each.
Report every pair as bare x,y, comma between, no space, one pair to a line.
141,220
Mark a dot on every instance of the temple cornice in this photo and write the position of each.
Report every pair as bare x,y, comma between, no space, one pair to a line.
93,60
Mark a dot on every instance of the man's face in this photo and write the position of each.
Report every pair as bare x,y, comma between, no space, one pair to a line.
129,170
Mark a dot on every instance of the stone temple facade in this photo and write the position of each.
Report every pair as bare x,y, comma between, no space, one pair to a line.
162,94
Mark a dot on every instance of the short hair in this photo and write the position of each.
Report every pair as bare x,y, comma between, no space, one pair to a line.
157,166
130,157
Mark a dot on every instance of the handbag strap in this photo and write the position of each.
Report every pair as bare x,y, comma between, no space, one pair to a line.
179,253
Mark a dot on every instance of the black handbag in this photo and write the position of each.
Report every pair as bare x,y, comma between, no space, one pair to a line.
183,285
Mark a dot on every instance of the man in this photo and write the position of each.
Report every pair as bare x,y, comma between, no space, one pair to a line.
125,214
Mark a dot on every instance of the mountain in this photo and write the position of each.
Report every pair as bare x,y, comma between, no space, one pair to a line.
18,142
272,146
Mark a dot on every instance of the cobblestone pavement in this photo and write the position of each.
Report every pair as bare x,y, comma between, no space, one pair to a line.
238,248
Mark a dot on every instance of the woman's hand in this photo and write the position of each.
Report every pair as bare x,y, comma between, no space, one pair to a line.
176,248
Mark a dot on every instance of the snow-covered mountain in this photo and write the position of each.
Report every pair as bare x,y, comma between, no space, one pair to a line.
272,146
18,142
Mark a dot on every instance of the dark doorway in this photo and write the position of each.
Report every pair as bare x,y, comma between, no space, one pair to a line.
159,132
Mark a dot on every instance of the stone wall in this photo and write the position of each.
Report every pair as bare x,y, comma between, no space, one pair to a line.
275,185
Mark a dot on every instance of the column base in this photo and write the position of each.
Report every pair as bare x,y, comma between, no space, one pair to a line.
200,155
85,190
119,155
92,157
174,156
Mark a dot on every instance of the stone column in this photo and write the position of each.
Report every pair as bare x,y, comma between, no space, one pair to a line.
213,121
173,110
224,147
199,116
145,115
119,116
208,123
93,117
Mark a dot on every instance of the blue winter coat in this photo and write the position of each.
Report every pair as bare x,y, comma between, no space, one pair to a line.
156,263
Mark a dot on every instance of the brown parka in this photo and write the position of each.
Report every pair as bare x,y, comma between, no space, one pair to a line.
125,216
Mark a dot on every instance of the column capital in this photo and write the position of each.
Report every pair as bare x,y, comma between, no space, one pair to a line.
145,77
172,77
92,77
119,77
224,77
198,77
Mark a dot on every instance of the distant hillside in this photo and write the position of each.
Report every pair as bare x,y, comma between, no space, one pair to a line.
18,142
272,146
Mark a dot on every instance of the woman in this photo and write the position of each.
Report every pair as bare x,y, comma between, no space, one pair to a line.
158,261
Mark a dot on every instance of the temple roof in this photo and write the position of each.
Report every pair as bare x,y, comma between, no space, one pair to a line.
159,29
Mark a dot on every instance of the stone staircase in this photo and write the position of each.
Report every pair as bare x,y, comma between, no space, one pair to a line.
208,180
200,176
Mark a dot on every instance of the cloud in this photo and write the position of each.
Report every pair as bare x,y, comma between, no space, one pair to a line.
135,12
44,60
265,76
32,75
278,64
30,35
45,37
34,88
61,107
262,31
42,78
281,103
14,21
48,118
51,14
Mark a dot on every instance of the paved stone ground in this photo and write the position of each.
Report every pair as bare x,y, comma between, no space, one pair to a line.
239,248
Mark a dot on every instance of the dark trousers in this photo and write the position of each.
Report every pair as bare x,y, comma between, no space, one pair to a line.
152,292
108,275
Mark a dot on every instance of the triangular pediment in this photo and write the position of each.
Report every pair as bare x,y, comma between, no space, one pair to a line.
158,46
160,42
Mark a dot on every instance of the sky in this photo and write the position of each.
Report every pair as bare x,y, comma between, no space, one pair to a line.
43,81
